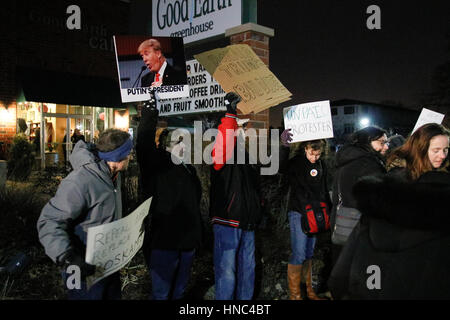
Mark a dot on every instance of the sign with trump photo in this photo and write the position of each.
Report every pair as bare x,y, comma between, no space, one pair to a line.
148,64
309,121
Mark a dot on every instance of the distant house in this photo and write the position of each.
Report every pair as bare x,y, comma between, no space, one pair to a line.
351,115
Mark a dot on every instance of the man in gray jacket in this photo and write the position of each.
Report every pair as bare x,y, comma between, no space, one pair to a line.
89,196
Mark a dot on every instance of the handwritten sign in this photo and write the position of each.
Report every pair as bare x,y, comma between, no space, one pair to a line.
309,121
428,116
205,94
237,68
111,246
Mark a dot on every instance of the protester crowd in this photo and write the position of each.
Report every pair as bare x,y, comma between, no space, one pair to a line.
388,212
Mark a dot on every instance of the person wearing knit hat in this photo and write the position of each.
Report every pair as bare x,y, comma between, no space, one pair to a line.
89,196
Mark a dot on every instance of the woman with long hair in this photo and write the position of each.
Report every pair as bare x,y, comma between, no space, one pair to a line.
425,150
399,250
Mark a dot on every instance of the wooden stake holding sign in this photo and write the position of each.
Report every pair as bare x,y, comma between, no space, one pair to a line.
237,68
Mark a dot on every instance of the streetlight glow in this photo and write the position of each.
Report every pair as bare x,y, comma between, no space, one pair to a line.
364,122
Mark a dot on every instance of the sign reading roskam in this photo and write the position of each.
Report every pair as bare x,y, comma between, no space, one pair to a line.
309,121
111,246
428,116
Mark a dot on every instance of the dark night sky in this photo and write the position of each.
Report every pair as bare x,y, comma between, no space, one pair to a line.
323,50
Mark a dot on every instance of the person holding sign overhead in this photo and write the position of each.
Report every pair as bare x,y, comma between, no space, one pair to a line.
235,210
89,196
307,175
175,228
161,73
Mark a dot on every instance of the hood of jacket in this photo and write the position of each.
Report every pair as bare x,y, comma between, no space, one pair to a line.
350,152
404,213
84,155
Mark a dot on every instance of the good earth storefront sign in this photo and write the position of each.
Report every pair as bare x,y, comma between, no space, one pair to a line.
194,19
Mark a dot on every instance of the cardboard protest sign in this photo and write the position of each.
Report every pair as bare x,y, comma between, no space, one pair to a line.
428,116
237,68
139,65
111,246
205,94
309,121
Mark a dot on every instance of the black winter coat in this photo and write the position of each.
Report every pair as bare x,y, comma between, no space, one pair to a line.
352,163
171,77
175,216
405,231
235,193
307,181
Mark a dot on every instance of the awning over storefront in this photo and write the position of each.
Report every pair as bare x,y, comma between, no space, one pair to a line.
40,85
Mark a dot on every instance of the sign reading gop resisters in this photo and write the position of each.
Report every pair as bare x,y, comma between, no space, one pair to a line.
205,94
194,20
111,246
147,64
309,121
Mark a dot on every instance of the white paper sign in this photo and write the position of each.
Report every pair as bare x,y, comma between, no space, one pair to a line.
428,116
194,20
111,246
309,121
205,94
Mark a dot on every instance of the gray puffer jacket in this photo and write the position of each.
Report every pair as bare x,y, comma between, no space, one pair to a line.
87,197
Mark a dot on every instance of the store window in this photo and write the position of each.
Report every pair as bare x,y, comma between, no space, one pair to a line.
349,110
60,122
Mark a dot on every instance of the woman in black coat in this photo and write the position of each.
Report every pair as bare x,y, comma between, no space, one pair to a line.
363,156
307,175
400,248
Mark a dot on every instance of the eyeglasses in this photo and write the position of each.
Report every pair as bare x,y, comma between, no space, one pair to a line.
383,142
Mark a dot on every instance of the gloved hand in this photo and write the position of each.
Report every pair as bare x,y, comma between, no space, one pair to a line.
149,114
72,258
231,101
286,137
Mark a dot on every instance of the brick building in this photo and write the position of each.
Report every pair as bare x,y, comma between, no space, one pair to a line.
55,77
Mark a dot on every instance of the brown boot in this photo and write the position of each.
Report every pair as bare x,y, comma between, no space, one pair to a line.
308,276
294,277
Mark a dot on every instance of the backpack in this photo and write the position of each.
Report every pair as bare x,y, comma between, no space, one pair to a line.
316,219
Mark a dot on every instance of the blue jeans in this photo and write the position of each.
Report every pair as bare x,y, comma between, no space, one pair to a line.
108,288
302,246
234,263
170,271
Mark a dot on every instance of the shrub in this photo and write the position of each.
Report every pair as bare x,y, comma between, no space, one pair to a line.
19,211
21,158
